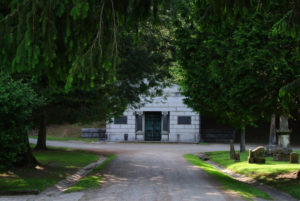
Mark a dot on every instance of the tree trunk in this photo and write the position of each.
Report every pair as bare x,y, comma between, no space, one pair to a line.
28,159
41,141
272,136
243,140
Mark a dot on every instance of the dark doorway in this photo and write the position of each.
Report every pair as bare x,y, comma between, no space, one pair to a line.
152,126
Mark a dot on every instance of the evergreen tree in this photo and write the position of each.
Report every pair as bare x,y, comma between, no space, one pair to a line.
232,68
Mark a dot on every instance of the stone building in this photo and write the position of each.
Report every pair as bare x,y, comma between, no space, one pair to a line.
165,119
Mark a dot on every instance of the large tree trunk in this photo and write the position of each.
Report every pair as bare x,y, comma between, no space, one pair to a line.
41,141
272,136
28,160
243,140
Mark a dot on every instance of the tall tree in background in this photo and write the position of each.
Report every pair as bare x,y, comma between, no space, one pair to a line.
102,52
143,66
234,68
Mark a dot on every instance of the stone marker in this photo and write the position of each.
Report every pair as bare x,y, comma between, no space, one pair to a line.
232,151
298,174
281,154
257,155
294,157
237,157
272,137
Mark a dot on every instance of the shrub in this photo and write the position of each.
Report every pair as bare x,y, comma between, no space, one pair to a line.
17,100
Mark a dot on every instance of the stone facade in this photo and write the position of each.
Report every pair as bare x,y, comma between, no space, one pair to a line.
178,123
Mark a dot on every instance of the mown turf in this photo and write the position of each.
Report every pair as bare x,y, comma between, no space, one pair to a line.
93,179
229,183
56,164
265,173
56,138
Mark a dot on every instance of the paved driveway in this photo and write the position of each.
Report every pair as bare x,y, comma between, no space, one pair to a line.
155,172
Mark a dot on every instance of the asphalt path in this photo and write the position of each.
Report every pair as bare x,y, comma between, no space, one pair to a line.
146,172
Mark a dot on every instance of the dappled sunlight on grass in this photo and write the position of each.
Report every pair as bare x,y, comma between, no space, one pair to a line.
93,179
56,164
265,173
229,183
84,183
243,167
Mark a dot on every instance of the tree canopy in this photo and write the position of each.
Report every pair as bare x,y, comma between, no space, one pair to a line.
89,59
234,68
69,42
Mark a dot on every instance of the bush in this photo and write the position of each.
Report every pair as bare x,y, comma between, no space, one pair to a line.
17,100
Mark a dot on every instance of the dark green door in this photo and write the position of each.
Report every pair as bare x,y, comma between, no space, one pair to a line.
153,126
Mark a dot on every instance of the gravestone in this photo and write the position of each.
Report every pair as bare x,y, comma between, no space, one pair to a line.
294,157
257,155
282,152
237,157
232,151
272,146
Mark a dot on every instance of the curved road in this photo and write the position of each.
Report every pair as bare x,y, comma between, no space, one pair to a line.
146,172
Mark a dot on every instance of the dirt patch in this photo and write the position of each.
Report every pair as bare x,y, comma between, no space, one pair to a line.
289,175
203,156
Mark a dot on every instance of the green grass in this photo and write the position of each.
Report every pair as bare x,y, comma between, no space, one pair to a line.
93,179
265,173
229,183
56,164
56,138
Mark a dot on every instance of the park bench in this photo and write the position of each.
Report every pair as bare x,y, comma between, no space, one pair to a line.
94,133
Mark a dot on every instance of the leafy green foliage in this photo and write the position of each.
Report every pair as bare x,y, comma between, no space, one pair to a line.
17,100
233,68
90,59
143,66
69,42
289,95
286,24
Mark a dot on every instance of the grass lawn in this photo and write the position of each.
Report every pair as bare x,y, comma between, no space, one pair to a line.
265,173
93,179
229,183
65,138
56,164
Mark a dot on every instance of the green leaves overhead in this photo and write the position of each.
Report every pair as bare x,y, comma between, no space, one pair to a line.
233,63
70,41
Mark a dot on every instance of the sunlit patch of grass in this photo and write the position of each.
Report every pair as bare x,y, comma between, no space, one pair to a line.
85,183
93,179
56,164
229,183
243,167
265,173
